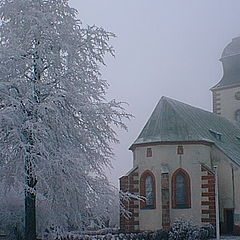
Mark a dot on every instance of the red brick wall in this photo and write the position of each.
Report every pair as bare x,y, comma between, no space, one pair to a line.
208,196
165,200
130,184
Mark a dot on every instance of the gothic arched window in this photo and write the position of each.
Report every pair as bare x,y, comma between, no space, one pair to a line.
147,189
181,191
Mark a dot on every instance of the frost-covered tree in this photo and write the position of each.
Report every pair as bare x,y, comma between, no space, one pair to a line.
55,123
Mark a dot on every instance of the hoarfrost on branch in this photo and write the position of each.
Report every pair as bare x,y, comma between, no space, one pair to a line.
55,123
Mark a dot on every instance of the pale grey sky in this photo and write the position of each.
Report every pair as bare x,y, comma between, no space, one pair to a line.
163,48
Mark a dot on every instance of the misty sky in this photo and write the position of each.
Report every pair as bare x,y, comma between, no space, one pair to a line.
163,48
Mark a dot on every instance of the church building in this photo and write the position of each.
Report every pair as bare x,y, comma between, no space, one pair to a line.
179,154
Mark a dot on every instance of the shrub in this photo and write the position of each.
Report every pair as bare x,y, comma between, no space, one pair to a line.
157,235
207,231
184,230
181,230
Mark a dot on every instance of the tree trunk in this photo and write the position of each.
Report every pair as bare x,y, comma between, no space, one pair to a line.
30,216
30,201
31,181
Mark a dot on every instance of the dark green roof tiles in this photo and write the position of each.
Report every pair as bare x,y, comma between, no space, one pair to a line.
173,121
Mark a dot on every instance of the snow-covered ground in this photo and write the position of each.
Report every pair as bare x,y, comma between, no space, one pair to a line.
227,237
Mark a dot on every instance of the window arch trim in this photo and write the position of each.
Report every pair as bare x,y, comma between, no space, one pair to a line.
187,189
143,178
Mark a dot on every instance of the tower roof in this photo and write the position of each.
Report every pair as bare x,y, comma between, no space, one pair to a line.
232,49
174,121
231,65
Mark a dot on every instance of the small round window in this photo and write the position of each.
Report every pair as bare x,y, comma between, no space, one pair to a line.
237,115
237,95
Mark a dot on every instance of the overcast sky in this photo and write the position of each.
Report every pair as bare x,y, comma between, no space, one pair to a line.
163,48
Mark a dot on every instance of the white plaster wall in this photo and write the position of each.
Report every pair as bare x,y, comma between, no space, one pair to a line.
150,219
228,103
135,160
237,195
225,181
194,155
225,187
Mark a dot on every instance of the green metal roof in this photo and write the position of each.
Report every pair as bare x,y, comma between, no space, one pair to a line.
173,121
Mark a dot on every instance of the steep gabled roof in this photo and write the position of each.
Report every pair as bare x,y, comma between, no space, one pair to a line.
173,121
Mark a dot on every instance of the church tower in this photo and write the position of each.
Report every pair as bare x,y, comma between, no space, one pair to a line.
226,94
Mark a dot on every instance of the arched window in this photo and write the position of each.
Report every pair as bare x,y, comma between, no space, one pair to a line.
147,189
181,190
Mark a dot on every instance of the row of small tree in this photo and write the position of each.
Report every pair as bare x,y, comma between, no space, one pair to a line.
56,126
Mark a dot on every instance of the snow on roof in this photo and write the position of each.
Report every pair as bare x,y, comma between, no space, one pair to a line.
130,171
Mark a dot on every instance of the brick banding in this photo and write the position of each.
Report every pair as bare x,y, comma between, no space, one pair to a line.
165,193
208,196
130,184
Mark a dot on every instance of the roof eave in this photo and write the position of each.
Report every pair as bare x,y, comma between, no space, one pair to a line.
226,154
224,87
203,142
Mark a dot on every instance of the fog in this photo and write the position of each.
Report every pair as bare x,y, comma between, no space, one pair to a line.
163,48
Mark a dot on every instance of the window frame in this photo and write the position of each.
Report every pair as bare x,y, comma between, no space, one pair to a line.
236,115
187,190
143,204
149,152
